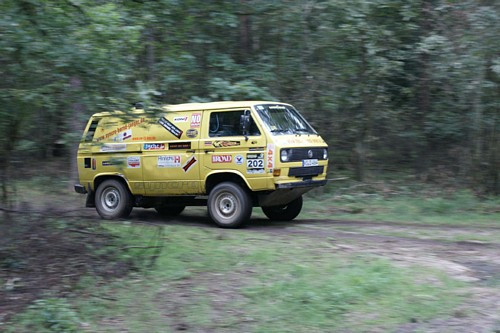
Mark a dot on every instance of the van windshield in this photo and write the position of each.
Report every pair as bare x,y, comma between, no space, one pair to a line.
283,119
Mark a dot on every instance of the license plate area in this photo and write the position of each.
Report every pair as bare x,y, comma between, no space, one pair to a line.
309,163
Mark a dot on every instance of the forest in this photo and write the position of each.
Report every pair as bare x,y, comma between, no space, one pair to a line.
394,86
405,236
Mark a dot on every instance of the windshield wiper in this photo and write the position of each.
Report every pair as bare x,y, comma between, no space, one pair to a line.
279,130
301,130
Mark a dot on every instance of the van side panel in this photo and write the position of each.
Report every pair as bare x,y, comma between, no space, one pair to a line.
172,159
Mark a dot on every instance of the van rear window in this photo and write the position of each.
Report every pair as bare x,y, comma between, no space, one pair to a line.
91,131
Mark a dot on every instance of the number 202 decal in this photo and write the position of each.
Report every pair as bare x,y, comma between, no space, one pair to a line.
255,164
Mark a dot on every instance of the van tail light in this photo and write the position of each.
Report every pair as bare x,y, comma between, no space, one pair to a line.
276,172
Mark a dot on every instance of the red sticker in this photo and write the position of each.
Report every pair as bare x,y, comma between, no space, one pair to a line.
222,158
192,161
195,120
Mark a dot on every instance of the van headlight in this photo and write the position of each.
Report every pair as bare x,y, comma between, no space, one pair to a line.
325,154
285,155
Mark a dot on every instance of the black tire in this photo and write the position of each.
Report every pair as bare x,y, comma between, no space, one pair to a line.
284,213
113,200
169,211
229,205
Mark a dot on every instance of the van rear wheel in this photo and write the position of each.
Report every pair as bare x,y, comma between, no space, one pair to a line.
113,200
229,205
284,213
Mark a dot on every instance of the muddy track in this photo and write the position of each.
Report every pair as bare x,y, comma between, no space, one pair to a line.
320,228
404,244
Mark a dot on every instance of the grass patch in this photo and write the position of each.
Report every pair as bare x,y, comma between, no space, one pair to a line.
461,208
211,279
324,297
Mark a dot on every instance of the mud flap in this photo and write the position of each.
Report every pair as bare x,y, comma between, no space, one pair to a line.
90,202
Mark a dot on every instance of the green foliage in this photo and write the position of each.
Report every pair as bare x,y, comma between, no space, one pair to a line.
49,315
300,296
386,82
404,201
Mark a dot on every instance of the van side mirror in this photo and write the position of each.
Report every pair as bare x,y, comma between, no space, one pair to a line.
245,123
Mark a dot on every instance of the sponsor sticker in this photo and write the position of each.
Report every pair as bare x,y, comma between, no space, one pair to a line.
195,120
112,162
182,119
174,130
123,136
119,130
270,156
239,159
189,164
222,158
134,162
255,163
110,147
218,143
179,145
169,161
154,146
192,133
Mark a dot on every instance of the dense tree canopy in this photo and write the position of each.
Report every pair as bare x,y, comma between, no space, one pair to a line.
391,84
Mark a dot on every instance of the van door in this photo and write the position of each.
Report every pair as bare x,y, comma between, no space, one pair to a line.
226,148
171,161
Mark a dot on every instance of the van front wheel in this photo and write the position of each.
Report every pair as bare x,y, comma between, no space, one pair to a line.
113,200
229,205
284,213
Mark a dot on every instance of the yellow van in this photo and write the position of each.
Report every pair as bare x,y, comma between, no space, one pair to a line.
230,156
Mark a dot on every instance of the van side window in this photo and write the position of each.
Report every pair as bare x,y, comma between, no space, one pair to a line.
91,131
228,124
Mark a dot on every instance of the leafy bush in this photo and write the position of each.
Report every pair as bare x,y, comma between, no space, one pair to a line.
50,315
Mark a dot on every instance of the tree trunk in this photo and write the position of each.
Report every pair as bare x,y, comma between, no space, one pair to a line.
75,125
423,91
245,32
150,54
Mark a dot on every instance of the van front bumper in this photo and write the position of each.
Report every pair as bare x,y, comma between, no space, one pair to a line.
287,192
304,183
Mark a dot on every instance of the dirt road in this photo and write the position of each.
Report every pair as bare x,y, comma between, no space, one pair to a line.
466,253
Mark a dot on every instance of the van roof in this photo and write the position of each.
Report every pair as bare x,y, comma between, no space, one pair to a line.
200,106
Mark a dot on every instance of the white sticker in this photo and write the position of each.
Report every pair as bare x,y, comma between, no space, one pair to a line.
182,119
123,136
270,156
255,163
238,159
134,162
169,161
254,171
195,120
109,147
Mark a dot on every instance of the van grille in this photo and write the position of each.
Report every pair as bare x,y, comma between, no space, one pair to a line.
299,154
305,171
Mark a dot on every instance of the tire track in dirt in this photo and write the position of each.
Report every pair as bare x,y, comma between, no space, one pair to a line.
475,262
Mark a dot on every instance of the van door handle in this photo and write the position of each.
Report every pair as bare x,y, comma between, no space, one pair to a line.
209,151
190,151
